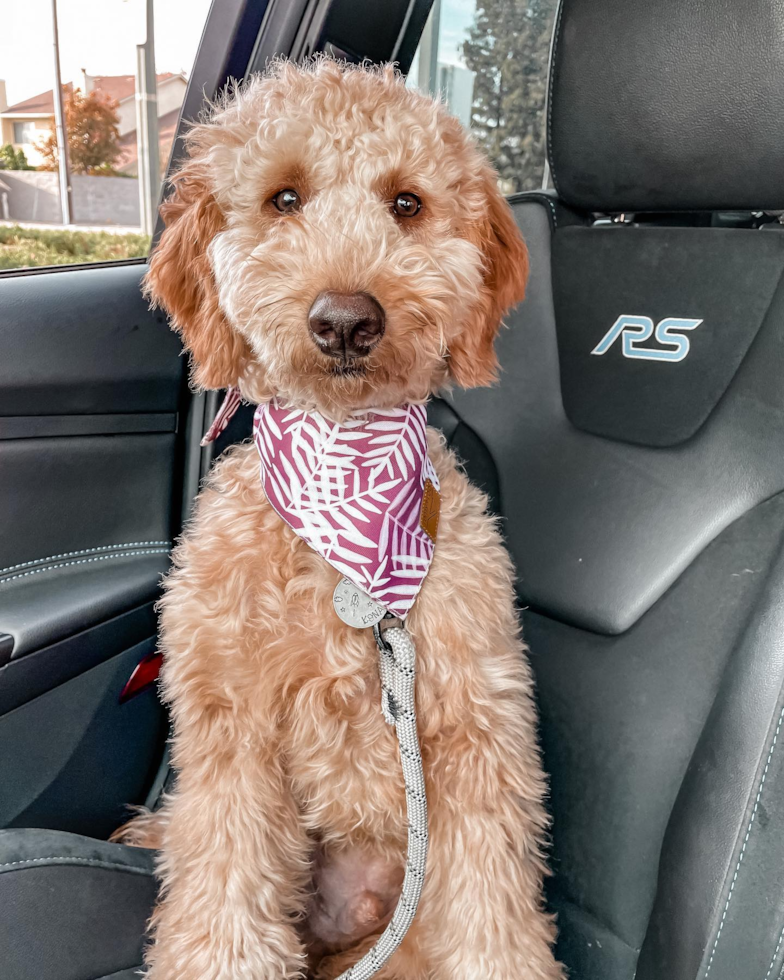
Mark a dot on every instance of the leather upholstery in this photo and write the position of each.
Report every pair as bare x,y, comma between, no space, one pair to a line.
650,564
62,600
720,282
652,586
668,106
661,718
92,403
88,446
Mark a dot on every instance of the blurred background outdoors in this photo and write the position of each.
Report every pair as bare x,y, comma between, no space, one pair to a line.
124,67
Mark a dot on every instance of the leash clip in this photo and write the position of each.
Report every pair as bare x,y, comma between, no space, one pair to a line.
389,621
390,667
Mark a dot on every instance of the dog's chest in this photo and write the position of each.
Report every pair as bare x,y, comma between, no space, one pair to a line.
319,677
341,756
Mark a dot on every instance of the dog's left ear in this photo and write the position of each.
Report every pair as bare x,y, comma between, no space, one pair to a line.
472,359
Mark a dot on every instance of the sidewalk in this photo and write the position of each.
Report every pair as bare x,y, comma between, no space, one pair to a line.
112,229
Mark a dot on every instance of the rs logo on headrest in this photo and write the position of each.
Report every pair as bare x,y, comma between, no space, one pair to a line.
635,330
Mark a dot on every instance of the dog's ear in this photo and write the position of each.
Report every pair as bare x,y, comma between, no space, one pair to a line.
472,359
180,279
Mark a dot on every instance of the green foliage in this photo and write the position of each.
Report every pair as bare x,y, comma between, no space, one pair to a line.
11,159
508,47
22,248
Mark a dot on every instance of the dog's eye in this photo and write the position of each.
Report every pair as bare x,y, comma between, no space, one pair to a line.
406,205
287,200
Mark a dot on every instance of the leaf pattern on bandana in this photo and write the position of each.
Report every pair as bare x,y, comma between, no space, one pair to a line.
353,491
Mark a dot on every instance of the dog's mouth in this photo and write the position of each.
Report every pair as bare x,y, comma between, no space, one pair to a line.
348,369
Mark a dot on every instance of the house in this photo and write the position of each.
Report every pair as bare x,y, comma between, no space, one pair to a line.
128,162
29,123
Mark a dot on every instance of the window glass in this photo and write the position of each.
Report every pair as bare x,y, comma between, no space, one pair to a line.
105,138
25,132
487,59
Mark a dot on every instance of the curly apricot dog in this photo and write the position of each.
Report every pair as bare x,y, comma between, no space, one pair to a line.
282,846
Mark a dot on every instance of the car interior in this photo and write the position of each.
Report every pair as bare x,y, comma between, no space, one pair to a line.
638,477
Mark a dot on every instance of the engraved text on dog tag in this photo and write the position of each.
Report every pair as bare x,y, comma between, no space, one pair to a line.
355,607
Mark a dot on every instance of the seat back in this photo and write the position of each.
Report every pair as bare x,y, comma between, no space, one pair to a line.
635,449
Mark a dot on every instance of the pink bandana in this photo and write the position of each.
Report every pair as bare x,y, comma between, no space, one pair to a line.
225,414
363,494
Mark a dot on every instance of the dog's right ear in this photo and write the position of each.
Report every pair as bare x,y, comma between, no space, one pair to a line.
180,279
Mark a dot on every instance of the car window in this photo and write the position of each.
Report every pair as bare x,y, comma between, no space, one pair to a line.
112,198
487,59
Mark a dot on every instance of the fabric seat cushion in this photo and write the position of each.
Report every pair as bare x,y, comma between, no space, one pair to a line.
73,908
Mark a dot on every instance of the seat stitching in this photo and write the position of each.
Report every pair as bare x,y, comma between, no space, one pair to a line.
134,966
550,87
108,976
109,865
745,842
85,561
552,208
560,899
776,953
83,551
539,198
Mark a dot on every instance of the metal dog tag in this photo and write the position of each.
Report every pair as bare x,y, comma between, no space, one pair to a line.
354,607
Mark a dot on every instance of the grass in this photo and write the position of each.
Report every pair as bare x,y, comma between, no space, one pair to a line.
24,248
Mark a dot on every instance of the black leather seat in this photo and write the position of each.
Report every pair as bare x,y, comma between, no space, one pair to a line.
641,480
641,483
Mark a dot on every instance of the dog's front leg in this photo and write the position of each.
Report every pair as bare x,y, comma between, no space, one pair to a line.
234,862
481,914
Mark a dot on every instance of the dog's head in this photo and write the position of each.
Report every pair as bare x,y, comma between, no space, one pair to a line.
336,239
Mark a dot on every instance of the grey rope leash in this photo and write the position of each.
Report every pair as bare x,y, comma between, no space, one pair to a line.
397,667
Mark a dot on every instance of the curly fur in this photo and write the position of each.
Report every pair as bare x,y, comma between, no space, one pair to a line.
286,770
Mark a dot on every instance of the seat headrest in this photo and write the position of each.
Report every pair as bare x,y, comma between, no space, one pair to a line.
668,105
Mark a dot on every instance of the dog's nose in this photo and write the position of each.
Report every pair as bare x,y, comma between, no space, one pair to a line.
346,324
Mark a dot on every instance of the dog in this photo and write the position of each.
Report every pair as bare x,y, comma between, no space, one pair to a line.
282,846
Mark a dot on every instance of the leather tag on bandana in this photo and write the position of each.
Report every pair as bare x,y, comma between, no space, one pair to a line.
431,510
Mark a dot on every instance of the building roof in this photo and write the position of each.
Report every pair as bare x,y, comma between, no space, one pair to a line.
117,87
120,87
167,128
43,103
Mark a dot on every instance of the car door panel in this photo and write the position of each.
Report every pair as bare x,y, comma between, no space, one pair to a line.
83,342
99,462
92,398
27,676
39,612
74,757
64,497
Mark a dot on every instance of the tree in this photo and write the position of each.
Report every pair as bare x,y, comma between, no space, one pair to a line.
507,48
91,123
11,159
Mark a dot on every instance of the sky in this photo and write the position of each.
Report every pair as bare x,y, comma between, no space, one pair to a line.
456,18
97,35
101,36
